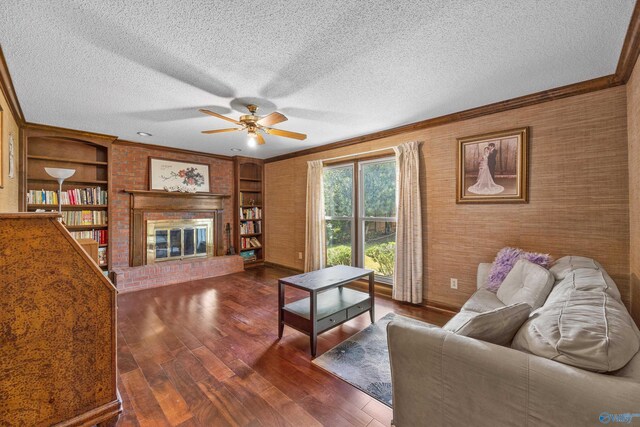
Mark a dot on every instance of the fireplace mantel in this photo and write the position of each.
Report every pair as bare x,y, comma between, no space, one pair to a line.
175,201
142,201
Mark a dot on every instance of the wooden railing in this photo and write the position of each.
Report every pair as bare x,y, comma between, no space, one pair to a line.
57,328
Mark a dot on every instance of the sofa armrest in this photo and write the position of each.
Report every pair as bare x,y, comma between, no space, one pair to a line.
440,378
483,274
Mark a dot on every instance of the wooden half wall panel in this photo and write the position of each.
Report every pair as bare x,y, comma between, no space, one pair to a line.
57,328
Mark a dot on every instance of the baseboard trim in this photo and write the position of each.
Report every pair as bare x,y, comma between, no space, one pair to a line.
95,416
441,308
286,267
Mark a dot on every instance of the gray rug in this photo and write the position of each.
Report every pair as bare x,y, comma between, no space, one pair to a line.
363,359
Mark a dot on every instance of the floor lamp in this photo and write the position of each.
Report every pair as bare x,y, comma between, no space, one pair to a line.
60,175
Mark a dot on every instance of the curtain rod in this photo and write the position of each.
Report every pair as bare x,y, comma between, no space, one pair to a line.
357,154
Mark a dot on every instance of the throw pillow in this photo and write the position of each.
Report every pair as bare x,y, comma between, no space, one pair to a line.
506,259
526,282
497,326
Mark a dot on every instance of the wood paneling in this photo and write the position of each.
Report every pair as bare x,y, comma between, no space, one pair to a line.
633,128
9,92
57,327
578,192
9,124
206,353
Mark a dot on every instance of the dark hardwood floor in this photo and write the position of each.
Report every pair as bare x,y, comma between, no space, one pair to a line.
206,353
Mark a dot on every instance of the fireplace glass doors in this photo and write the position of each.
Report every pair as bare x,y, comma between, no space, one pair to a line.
179,239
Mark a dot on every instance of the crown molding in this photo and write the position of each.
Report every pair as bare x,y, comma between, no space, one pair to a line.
497,107
32,128
9,92
146,146
630,48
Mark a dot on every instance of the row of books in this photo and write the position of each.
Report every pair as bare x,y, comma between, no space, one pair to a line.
249,199
248,256
249,242
76,196
251,213
85,217
250,227
100,236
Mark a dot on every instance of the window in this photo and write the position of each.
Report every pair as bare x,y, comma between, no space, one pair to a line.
360,207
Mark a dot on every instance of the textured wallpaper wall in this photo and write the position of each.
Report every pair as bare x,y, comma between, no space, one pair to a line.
578,192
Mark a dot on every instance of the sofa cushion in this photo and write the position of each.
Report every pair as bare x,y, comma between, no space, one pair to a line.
587,329
497,326
585,279
482,300
526,282
565,265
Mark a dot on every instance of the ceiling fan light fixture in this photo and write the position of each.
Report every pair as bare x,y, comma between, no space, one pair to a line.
255,126
251,139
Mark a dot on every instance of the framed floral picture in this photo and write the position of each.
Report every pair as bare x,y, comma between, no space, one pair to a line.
492,168
174,175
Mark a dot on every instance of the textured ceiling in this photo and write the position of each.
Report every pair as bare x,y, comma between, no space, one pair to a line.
337,69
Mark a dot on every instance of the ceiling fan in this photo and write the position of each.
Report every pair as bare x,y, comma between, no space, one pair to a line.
254,125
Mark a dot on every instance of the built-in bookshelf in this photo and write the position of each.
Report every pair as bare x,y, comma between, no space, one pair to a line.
250,210
85,195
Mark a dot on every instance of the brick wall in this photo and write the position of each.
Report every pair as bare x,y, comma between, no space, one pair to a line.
130,172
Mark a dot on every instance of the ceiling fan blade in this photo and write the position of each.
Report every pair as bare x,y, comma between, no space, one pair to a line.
285,133
208,132
220,116
259,139
272,119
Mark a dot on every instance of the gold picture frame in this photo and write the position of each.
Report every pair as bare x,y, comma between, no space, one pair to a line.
492,167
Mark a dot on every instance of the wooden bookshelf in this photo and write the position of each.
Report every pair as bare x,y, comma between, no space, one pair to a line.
89,154
248,202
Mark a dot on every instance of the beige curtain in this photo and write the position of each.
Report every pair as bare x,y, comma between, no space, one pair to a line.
407,275
314,236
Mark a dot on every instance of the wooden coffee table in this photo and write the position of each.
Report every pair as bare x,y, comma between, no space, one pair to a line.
329,303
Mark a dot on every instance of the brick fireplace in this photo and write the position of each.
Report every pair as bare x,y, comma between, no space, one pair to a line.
130,219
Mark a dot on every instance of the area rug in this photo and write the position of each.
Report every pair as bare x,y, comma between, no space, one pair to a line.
363,359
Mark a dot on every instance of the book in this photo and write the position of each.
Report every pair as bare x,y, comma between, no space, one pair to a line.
248,254
102,256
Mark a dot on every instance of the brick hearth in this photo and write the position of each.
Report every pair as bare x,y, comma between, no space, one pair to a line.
170,272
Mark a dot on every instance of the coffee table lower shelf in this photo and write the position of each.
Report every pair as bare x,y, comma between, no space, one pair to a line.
334,307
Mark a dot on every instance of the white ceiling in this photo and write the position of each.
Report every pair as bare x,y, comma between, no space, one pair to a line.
337,69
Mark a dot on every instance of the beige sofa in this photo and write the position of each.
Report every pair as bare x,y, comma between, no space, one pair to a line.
444,379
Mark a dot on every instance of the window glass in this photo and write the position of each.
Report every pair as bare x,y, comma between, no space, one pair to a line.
338,191
379,189
339,242
366,237
380,248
